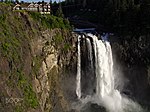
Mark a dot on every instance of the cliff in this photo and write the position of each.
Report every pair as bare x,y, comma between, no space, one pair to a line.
131,53
36,54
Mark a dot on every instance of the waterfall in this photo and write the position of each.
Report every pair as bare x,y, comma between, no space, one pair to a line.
106,94
105,80
90,55
78,78
105,91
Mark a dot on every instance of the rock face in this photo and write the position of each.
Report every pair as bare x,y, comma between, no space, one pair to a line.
41,81
132,54
47,82
34,63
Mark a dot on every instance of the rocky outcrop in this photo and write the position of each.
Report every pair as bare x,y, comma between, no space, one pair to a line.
47,82
34,61
132,55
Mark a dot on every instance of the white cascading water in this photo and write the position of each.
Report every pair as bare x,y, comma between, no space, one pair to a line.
105,90
78,78
90,55
106,94
105,81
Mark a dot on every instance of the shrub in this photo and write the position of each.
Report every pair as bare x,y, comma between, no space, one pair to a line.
50,21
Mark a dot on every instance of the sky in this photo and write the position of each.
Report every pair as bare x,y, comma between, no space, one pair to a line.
40,0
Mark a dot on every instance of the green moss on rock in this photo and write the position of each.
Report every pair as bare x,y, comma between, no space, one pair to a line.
20,64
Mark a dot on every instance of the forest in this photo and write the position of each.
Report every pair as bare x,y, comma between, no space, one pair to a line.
129,16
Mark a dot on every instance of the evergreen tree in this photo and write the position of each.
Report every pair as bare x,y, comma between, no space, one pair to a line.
43,6
17,1
59,12
50,2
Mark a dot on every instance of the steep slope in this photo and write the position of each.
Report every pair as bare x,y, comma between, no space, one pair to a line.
35,52
133,60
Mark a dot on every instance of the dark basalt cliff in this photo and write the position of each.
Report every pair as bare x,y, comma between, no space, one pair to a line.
131,53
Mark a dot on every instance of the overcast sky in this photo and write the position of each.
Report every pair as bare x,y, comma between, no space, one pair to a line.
41,0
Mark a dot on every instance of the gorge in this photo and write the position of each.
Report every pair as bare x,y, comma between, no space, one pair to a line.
46,66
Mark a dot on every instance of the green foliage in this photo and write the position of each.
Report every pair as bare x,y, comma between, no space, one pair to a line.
15,32
30,99
10,45
21,78
6,2
10,48
17,28
37,61
66,47
19,108
2,18
50,21
123,17
58,39
59,12
61,43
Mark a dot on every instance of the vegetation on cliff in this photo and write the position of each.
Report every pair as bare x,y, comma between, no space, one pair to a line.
21,57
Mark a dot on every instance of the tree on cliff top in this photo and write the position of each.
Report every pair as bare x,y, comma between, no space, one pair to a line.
59,12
